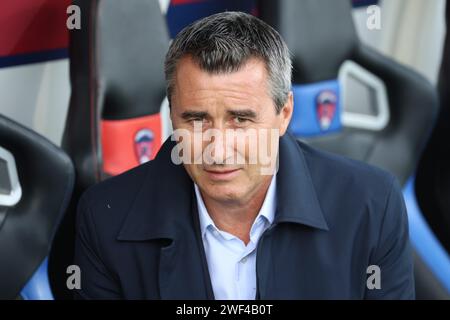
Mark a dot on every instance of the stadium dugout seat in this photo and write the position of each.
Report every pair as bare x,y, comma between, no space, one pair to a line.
117,102
36,182
433,174
351,100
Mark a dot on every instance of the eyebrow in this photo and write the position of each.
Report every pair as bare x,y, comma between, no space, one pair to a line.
245,113
194,114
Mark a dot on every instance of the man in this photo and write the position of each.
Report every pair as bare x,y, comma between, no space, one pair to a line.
224,212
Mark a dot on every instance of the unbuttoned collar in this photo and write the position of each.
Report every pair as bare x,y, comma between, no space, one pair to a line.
266,212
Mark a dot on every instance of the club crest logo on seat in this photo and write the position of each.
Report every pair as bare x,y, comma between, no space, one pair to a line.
143,145
326,108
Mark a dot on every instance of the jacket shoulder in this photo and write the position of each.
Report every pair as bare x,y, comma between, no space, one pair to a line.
124,185
350,190
335,169
110,200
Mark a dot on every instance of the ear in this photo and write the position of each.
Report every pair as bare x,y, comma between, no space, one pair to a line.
286,113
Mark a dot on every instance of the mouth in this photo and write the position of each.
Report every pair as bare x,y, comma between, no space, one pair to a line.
222,175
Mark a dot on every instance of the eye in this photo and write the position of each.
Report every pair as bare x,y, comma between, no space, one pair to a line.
239,120
199,119
198,122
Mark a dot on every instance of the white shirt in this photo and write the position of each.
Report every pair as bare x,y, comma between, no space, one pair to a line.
231,263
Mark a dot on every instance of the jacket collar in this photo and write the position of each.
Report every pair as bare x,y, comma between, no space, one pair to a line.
297,198
163,204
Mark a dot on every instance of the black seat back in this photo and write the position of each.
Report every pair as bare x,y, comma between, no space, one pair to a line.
433,177
43,176
117,79
321,36
114,121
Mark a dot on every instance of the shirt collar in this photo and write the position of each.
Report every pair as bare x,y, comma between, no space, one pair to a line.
266,212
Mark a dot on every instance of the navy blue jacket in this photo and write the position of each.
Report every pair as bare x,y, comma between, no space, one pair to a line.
138,233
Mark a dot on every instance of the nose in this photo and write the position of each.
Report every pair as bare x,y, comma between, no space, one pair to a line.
217,149
216,152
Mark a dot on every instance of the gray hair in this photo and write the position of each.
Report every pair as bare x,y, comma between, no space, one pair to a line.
224,42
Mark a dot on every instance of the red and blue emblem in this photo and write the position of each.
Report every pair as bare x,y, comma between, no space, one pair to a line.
143,145
326,105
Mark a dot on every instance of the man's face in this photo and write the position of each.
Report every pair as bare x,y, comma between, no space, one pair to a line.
239,102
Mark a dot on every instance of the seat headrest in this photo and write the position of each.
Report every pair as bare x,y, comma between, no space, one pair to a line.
319,39
122,47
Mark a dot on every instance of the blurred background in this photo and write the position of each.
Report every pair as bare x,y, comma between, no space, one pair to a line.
82,98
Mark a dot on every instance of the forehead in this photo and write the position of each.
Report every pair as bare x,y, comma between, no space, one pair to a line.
193,82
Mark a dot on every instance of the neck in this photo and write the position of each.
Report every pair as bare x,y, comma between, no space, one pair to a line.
237,217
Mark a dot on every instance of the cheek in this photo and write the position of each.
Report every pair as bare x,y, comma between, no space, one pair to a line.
258,149
191,147
253,173
191,170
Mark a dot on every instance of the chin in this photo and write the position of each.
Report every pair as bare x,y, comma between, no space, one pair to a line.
223,191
